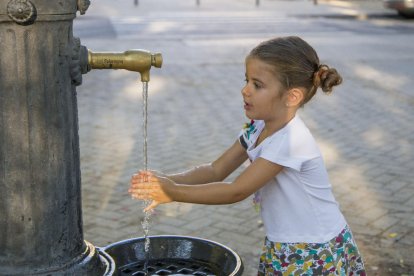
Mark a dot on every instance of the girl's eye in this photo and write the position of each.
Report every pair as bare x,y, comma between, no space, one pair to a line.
257,85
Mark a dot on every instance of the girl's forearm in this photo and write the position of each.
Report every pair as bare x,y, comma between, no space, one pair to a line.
216,171
198,175
211,193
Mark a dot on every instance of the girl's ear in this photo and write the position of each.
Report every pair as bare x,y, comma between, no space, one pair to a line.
295,97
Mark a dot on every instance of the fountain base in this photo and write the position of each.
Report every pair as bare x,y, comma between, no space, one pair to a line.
174,255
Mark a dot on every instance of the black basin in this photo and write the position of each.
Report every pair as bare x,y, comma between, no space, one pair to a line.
174,255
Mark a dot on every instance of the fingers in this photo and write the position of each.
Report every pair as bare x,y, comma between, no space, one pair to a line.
141,190
147,185
151,206
141,176
139,195
144,192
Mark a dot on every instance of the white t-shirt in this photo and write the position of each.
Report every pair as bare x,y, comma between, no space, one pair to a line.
297,205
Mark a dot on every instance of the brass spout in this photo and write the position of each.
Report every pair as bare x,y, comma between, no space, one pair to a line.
132,60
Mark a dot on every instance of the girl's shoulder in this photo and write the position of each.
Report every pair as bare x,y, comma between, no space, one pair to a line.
296,139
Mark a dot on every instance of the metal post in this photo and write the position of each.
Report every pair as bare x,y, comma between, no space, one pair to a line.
40,200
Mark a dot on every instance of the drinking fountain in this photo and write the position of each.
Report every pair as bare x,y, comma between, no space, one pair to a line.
41,230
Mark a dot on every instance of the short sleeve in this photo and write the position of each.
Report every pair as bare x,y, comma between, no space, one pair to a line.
291,148
281,154
242,140
248,135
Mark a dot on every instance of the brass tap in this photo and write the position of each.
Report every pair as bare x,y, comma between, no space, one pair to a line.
136,60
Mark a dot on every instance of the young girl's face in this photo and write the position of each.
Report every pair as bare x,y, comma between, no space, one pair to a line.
263,93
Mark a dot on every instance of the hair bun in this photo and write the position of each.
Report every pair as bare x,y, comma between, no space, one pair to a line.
326,78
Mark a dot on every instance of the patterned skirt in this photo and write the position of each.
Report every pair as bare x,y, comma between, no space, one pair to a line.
339,256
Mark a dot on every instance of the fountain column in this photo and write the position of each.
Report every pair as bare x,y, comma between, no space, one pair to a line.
40,182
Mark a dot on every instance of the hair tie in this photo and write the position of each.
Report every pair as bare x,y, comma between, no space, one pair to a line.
318,75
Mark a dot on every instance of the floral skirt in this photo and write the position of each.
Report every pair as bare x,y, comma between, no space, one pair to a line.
339,256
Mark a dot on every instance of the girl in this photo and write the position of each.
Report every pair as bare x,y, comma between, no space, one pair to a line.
305,230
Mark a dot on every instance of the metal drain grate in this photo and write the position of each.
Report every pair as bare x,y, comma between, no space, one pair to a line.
169,267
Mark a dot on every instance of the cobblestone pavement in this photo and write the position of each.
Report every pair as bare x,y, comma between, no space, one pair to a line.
365,129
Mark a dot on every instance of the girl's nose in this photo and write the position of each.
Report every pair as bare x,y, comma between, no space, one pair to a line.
245,90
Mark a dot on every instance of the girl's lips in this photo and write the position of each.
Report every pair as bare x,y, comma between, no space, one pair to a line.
247,106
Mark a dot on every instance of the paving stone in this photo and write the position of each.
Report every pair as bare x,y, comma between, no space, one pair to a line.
385,222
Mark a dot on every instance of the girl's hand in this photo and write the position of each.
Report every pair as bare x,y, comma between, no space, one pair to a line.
154,172
147,185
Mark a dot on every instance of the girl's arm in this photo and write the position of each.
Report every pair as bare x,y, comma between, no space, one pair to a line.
228,162
163,190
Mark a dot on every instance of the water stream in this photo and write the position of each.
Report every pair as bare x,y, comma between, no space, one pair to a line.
146,222
145,122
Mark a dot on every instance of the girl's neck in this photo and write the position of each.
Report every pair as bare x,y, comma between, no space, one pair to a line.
272,126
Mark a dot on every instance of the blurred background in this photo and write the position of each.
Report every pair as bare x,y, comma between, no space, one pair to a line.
365,128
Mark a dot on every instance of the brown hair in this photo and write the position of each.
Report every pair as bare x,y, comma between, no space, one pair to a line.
297,65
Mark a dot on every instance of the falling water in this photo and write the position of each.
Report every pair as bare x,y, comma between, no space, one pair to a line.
145,122
146,222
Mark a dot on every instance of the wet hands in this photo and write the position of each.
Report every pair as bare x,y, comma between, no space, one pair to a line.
151,185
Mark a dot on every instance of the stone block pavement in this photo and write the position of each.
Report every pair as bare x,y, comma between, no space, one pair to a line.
365,129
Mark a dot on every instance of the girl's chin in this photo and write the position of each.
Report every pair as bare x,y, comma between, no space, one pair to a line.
249,116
